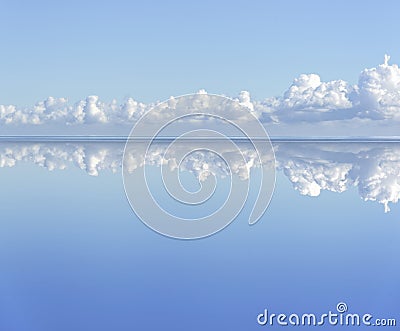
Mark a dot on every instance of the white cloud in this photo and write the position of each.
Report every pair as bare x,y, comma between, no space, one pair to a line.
55,111
379,91
244,99
91,157
376,97
372,169
308,93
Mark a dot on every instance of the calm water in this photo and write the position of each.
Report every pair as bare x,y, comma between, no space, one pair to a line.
74,256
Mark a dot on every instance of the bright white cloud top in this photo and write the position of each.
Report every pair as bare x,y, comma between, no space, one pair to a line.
309,107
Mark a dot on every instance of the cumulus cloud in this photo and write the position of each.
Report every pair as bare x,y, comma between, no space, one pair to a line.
95,157
90,157
201,162
373,169
308,96
378,91
91,110
375,98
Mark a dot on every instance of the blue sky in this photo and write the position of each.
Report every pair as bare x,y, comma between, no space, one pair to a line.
74,255
152,49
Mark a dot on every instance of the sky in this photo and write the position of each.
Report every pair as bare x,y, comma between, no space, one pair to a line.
150,50
75,256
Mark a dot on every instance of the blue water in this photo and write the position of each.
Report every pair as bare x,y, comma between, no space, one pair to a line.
74,256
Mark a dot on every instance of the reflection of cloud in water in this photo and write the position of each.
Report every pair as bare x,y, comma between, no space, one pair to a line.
91,157
374,168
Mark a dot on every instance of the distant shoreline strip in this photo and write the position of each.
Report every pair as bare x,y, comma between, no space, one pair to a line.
93,138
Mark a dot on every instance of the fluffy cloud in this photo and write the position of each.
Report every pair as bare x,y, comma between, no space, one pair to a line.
373,169
95,157
59,111
375,97
378,91
309,94
91,157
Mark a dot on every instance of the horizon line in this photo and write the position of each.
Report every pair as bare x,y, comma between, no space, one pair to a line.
113,138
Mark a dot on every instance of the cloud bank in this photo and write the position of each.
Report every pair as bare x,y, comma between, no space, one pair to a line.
373,169
59,111
372,106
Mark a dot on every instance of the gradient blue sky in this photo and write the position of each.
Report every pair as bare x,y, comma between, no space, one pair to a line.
73,254
152,49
